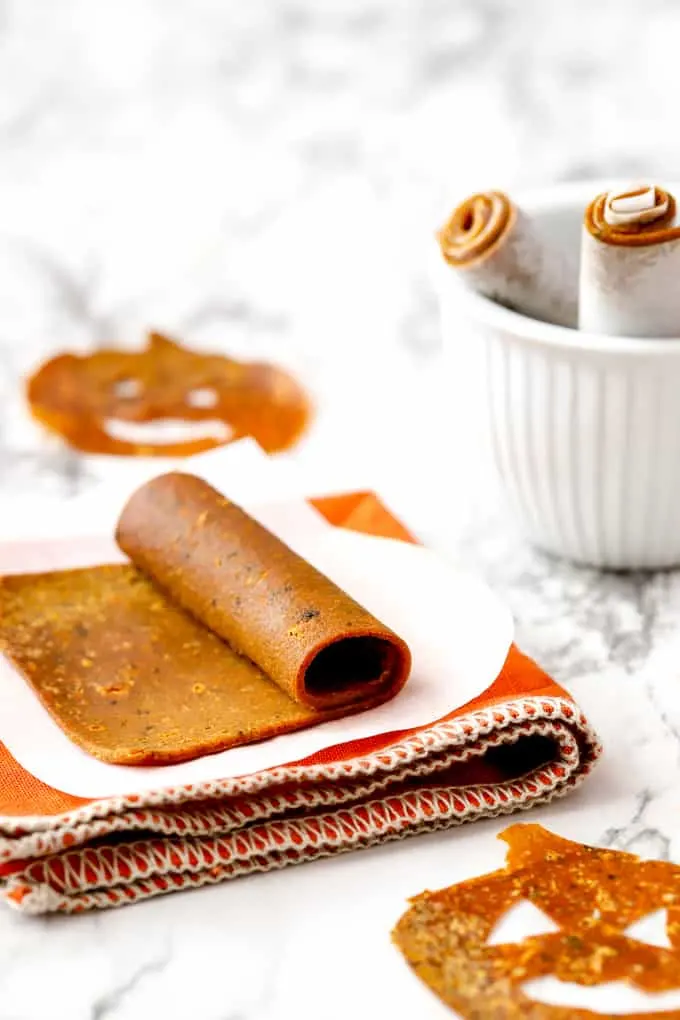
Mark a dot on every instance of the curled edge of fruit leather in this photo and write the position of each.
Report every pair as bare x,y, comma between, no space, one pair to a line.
304,632
78,396
593,895
651,224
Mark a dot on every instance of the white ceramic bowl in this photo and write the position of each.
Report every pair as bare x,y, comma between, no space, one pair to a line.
584,428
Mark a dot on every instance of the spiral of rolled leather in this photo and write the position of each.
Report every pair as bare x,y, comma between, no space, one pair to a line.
502,253
475,226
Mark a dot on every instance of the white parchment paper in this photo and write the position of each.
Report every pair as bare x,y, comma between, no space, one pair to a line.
458,631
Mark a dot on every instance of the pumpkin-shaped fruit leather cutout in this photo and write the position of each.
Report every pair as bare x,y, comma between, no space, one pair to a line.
591,896
93,401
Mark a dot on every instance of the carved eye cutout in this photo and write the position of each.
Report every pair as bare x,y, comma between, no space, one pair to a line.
651,929
520,922
127,388
202,397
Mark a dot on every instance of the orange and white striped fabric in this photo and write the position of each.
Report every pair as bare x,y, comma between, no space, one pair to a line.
522,742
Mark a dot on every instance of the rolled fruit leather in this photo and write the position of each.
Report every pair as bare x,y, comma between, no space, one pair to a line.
520,261
269,604
630,264
216,635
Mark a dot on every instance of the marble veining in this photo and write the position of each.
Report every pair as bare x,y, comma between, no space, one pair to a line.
264,178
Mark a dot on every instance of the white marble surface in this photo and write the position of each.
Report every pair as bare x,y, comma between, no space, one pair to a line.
264,177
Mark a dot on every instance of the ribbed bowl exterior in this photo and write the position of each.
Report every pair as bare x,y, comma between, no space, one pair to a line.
586,441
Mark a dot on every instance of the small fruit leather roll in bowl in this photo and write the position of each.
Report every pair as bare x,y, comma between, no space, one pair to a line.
630,263
512,256
267,603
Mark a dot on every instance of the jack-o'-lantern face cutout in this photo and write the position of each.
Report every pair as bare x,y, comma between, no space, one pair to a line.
589,897
111,400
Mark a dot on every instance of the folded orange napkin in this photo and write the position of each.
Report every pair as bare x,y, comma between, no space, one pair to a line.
522,741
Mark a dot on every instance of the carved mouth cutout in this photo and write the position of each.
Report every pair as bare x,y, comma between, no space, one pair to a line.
616,998
167,430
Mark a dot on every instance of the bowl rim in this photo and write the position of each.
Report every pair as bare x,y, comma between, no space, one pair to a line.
484,310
